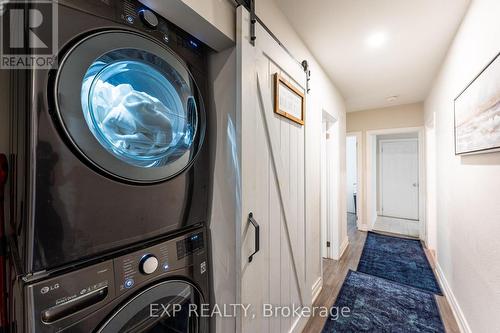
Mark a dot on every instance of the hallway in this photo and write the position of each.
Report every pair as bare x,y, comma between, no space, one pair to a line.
335,272
269,163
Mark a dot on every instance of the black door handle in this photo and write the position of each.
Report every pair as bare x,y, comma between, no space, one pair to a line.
257,235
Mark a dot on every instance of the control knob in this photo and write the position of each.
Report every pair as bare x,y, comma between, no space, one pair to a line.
148,18
148,264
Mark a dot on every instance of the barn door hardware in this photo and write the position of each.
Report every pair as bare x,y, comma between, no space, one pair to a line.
305,65
253,21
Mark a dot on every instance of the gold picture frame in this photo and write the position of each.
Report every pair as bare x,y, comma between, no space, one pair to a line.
286,100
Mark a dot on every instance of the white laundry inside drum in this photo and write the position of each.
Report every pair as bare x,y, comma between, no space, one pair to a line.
134,121
130,122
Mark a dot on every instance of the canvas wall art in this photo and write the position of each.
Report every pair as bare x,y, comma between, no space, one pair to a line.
477,113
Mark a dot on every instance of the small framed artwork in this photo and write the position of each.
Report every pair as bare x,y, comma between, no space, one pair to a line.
289,101
477,113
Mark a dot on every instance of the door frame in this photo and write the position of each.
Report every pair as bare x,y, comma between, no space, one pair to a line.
431,177
328,187
371,182
359,169
380,204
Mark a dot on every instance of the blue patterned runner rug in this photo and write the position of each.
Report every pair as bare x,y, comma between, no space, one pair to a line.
379,305
398,259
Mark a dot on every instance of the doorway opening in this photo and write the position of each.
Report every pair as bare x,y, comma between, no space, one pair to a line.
395,176
333,224
354,180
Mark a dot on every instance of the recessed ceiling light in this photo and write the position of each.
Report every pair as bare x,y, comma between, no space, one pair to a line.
376,39
392,98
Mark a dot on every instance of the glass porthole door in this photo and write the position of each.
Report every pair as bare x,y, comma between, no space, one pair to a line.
134,113
168,307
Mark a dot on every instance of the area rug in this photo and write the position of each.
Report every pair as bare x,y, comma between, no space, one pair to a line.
379,305
398,259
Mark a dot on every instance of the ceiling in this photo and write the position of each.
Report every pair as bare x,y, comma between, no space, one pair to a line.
374,49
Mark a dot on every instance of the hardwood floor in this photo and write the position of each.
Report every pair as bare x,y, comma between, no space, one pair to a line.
334,273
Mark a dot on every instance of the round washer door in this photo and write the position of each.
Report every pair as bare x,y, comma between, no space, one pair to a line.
130,106
166,307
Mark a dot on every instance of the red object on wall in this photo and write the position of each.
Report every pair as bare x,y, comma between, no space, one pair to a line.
3,301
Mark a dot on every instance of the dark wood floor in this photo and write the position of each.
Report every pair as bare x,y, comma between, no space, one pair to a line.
334,273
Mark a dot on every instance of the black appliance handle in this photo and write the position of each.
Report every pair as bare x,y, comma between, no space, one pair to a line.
257,235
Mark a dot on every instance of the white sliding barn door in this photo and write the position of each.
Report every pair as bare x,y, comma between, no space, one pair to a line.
272,183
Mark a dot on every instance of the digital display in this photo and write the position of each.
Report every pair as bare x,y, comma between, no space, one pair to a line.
189,245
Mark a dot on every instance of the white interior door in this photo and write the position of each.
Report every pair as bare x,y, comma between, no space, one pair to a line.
324,192
272,164
399,178
351,172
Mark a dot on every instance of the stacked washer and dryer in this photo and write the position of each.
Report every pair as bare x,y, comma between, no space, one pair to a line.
110,177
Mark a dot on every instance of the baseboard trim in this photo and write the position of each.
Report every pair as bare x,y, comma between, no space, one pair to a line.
316,288
343,247
299,324
455,307
363,227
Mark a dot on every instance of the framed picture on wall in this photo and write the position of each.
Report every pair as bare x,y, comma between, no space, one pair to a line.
289,101
477,113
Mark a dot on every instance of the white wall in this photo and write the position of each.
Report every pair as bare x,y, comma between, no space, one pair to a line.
323,96
218,12
352,171
468,204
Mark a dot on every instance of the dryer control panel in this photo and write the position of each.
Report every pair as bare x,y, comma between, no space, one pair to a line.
136,15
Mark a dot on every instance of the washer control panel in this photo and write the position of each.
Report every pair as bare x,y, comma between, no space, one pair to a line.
132,269
57,303
190,245
74,294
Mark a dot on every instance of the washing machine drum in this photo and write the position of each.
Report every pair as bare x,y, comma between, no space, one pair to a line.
129,106
172,306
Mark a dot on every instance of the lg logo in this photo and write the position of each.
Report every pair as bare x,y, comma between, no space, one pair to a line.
46,289
28,36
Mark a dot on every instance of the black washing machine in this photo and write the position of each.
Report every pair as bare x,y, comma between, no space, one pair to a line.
161,287
109,149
